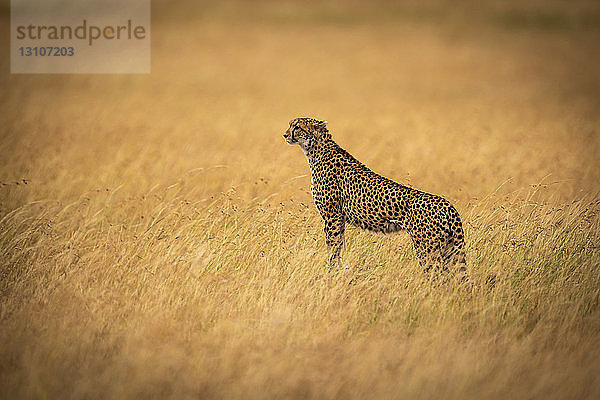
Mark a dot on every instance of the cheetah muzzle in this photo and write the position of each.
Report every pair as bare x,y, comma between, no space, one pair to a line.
346,191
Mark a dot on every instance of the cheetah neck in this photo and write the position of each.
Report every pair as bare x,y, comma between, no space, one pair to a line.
316,152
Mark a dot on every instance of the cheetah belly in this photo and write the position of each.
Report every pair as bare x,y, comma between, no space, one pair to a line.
374,214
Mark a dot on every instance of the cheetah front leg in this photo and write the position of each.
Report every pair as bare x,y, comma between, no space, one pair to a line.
334,237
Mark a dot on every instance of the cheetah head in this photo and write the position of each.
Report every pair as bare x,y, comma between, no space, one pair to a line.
306,132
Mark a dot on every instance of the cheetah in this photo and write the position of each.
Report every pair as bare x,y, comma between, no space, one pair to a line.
346,191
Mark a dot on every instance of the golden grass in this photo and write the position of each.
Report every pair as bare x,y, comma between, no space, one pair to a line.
158,238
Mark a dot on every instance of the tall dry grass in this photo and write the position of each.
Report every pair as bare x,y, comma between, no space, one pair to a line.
158,238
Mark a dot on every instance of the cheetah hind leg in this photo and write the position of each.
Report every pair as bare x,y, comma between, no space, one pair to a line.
459,270
442,259
438,271
453,257
430,256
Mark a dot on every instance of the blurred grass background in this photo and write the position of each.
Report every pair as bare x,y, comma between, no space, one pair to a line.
158,237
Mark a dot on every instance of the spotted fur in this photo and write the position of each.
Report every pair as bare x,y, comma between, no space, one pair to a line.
346,191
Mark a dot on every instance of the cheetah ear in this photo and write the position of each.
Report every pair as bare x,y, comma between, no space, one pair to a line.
322,125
